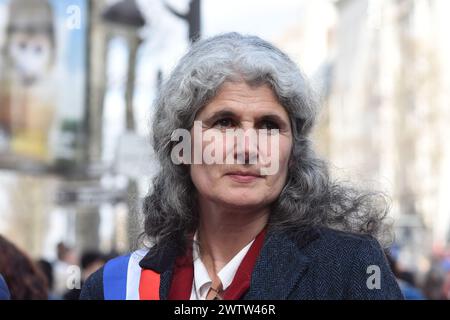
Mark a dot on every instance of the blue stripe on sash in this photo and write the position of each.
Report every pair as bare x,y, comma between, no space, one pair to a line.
115,278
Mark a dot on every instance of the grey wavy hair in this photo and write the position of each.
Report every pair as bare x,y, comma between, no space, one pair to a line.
309,199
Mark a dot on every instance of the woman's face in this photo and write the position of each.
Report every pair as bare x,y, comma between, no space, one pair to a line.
254,110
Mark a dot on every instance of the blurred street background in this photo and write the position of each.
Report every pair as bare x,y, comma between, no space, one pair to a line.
77,81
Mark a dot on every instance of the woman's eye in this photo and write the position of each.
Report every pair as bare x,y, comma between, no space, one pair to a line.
269,125
224,123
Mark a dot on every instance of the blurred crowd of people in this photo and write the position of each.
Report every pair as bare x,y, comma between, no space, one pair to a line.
433,285
22,278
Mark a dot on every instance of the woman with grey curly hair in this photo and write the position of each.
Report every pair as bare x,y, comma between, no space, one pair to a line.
241,207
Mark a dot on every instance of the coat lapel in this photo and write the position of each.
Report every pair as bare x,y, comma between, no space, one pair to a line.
279,268
164,288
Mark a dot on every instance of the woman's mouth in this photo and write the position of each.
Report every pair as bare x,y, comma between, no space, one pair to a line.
243,177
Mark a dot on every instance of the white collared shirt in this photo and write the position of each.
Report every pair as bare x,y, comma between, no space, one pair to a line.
202,282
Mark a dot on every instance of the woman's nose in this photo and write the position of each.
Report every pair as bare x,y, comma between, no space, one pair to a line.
246,146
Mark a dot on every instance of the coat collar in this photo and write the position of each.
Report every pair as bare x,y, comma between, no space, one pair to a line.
277,247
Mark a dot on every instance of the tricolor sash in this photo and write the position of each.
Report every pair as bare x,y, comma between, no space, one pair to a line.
123,279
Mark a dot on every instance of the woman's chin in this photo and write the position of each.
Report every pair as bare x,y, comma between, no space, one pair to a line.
243,202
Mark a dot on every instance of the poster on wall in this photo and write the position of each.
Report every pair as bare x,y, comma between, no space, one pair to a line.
43,52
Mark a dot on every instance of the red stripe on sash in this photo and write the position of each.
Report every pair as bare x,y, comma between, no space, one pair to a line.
149,285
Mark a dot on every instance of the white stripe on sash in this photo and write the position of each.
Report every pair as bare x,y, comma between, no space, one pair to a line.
134,274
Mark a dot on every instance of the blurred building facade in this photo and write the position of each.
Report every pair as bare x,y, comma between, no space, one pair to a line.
386,114
96,205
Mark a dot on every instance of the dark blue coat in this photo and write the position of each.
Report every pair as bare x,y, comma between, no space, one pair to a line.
4,292
321,264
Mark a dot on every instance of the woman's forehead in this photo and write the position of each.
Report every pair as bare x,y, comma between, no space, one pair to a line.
239,97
